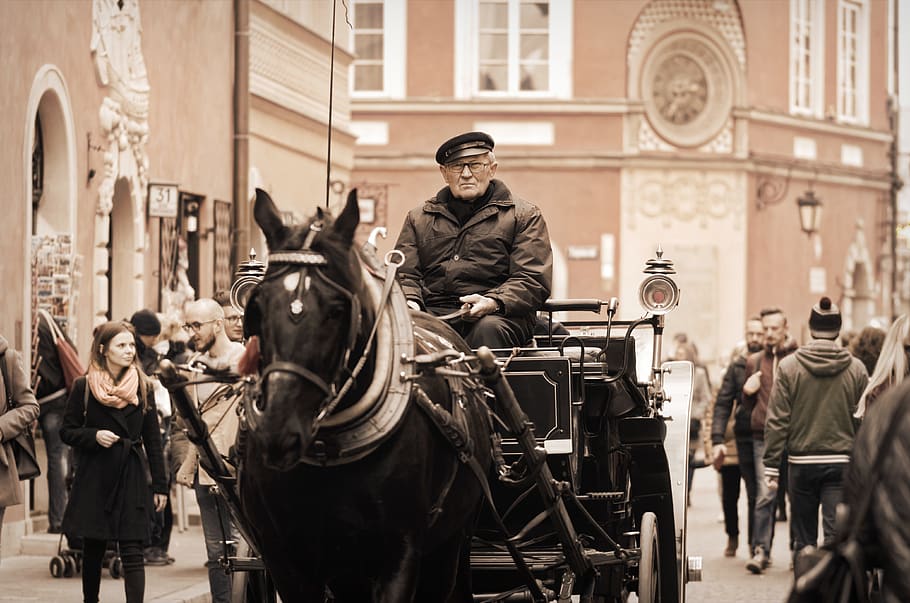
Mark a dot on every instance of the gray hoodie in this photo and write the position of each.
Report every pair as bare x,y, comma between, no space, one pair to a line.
810,413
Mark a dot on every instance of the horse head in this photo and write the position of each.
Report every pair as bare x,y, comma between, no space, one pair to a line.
308,312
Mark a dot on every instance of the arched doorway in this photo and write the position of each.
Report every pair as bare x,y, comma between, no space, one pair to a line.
49,239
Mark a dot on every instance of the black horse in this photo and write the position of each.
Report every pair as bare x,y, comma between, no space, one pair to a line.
350,488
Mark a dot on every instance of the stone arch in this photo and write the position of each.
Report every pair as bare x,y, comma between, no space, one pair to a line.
49,99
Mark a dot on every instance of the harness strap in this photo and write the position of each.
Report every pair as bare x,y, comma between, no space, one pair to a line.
456,436
391,270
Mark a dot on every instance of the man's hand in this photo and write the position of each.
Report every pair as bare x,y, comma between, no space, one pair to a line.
187,472
752,384
717,457
160,502
771,482
477,306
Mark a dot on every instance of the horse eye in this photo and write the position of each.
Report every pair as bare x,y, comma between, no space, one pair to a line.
335,311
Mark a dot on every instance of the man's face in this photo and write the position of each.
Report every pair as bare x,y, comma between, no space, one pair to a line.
233,323
775,327
469,177
755,335
202,329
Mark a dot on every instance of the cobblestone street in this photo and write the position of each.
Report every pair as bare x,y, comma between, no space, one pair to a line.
726,579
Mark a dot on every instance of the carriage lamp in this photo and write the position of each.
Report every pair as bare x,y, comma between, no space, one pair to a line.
247,276
658,293
810,212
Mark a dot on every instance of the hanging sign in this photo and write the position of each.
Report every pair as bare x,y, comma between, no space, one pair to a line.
163,200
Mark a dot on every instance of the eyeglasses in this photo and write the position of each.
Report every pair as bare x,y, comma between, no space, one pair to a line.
234,319
476,167
195,326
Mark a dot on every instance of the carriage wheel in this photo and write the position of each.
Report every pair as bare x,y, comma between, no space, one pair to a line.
649,564
56,566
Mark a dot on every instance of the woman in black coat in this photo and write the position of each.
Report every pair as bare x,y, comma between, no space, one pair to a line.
112,424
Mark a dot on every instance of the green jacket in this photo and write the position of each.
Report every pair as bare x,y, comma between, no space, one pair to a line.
813,399
502,251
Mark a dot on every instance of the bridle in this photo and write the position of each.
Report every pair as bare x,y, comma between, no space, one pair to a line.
304,259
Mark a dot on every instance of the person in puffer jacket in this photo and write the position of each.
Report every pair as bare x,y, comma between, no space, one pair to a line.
810,415
885,529
475,251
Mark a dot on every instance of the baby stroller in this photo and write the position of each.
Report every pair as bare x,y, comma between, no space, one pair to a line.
68,560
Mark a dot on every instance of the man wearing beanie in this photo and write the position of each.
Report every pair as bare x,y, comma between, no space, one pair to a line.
147,327
811,416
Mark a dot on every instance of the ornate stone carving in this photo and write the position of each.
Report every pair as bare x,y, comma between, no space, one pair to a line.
689,196
123,117
722,15
680,89
687,90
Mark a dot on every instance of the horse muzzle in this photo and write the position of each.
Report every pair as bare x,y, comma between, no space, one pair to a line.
281,421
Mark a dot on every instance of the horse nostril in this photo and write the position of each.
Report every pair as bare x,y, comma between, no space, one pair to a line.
260,404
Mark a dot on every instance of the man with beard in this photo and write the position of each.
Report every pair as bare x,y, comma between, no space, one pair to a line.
477,249
761,368
205,324
729,403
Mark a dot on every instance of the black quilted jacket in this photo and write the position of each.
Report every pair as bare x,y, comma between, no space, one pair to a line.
886,527
502,251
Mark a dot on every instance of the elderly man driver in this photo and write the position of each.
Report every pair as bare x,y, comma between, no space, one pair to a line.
475,247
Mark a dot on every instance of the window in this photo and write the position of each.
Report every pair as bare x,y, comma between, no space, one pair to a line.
852,61
378,42
806,57
513,40
513,48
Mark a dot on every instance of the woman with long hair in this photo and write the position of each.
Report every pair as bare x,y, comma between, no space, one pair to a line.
112,424
892,365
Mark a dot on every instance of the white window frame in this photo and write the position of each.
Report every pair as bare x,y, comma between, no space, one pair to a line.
860,92
467,53
394,52
814,27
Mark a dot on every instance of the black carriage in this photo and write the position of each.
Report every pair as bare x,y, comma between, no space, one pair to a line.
586,495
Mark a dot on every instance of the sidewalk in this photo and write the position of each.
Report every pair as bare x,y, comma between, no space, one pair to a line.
28,578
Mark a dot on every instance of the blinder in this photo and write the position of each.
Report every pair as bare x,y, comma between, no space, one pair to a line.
303,260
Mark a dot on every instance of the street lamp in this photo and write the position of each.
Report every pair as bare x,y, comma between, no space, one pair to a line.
810,212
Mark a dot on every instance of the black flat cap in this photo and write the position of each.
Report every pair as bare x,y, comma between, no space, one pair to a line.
464,145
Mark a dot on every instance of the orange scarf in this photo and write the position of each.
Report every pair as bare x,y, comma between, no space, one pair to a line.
115,395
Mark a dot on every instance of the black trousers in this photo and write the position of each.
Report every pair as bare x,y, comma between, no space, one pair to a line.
492,330
133,569
730,477
747,471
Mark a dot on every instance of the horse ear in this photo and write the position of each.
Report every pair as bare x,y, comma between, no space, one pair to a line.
347,222
269,219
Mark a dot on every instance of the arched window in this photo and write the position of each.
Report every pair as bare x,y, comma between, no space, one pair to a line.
37,172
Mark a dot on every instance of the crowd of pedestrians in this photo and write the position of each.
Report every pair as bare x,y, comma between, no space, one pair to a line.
790,417
115,447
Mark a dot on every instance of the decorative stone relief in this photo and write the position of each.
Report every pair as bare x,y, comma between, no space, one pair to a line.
687,89
722,15
123,116
686,196
859,294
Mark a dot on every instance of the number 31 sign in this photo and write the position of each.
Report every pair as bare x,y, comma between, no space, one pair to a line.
163,200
